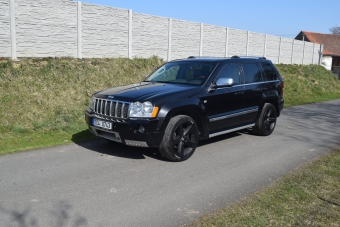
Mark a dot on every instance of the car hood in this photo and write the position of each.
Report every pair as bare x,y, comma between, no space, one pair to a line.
147,91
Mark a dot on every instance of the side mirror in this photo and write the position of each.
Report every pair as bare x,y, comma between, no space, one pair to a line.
224,82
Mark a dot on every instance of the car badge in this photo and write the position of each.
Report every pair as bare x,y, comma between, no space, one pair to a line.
111,97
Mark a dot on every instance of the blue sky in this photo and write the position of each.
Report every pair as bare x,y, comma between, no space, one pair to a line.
283,18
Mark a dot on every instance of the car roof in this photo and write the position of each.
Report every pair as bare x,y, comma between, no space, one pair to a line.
222,59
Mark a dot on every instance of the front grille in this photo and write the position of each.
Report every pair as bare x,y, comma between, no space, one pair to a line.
111,108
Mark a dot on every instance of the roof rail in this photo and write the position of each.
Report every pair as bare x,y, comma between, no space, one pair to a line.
258,57
203,57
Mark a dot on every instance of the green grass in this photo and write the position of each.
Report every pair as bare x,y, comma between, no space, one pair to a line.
308,84
308,196
42,101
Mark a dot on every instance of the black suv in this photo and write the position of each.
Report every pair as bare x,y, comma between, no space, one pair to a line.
187,100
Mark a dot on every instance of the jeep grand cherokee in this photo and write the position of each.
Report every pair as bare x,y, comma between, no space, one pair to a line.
187,100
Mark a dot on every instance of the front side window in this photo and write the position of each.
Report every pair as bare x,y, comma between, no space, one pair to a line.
183,72
269,71
229,71
252,73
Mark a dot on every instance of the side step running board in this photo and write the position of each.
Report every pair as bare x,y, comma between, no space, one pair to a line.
230,130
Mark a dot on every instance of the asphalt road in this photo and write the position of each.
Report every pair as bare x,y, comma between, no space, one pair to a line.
99,183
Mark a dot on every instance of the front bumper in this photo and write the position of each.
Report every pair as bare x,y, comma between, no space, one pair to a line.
126,131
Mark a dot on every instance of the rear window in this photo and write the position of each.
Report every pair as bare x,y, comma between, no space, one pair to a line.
270,72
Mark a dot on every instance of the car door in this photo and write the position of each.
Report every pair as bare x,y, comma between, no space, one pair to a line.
254,87
222,104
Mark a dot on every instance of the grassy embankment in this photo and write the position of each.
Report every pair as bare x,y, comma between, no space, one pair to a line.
42,101
308,196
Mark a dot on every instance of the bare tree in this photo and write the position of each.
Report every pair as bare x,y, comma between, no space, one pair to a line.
335,30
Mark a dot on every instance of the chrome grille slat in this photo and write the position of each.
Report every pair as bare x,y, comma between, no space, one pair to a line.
122,115
105,108
116,109
111,108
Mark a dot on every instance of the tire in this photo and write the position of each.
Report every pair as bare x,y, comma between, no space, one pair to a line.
267,121
180,139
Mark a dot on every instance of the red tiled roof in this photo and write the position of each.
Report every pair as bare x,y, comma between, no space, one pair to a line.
331,42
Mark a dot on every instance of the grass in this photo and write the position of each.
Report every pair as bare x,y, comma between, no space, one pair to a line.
308,84
42,101
308,196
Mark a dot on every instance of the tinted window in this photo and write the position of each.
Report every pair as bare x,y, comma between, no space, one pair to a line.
229,71
183,72
269,72
252,73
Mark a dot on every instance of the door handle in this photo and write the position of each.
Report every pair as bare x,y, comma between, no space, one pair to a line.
264,89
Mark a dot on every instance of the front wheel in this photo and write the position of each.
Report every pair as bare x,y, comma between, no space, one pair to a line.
267,121
180,139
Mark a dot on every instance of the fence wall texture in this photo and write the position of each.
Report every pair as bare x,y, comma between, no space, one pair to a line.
63,28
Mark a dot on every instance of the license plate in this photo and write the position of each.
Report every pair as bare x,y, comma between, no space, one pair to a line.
101,124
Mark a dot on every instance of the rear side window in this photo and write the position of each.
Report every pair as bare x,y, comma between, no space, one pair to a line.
269,72
252,73
229,71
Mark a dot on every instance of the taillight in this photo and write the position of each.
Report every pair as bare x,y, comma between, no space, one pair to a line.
282,86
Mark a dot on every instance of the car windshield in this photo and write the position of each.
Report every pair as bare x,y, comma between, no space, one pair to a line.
183,72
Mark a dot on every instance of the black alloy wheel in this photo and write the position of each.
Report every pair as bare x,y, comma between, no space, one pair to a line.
267,120
180,139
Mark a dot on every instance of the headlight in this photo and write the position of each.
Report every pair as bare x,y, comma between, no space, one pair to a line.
145,109
92,100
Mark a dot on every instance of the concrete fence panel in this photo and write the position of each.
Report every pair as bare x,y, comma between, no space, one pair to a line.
105,31
5,31
308,53
298,52
150,36
237,42
185,39
256,44
273,48
214,40
46,29
286,51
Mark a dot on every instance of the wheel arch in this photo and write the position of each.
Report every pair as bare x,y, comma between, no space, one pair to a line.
272,98
192,108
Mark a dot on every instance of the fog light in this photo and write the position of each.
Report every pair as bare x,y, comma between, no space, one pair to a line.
141,129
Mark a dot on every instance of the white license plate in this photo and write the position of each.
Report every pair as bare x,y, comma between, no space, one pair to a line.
101,124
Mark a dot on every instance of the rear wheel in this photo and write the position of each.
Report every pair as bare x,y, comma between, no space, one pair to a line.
180,139
267,120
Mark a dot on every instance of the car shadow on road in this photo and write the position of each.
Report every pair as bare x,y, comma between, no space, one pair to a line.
111,148
116,149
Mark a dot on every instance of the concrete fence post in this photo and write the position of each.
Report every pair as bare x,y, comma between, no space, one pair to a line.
79,39
201,40
13,30
169,39
265,46
226,42
247,48
130,35
278,60
292,57
320,53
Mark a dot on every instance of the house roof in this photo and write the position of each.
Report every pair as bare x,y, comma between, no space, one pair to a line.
331,42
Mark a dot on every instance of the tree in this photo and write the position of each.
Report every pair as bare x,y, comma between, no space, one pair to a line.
335,30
